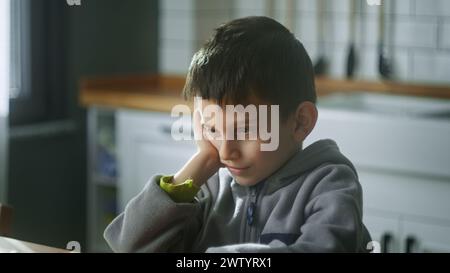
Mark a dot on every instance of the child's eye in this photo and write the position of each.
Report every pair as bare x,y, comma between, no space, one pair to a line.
209,129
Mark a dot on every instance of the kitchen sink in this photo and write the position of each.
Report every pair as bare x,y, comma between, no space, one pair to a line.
407,106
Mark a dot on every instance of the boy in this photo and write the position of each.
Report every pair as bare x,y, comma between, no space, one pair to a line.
233,196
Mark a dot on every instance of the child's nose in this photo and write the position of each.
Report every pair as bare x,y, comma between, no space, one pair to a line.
228,150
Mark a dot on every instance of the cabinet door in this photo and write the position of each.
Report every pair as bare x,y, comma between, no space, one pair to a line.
155,158
145,148
425,236
384,229
405,193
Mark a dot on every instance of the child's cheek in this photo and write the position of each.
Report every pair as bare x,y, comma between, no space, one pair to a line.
250,149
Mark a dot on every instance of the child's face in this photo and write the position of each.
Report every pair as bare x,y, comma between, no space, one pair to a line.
246,161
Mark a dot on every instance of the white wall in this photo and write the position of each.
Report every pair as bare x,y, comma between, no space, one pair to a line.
421,45
4,93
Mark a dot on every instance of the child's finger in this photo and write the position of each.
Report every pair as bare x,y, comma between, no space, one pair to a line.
197,124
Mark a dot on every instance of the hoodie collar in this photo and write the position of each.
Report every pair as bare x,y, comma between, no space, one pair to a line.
314,155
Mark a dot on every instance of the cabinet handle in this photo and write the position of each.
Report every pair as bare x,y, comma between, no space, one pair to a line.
386,240
410,244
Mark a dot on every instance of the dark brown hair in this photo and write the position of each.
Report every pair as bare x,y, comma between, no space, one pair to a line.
252,56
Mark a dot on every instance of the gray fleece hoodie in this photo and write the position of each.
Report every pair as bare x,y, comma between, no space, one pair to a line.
313,203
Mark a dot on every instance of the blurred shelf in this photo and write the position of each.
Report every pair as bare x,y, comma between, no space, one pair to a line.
102,166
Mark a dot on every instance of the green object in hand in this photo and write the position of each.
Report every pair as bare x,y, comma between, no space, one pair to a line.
180,193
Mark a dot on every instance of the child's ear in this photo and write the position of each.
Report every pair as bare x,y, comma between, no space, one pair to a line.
305,118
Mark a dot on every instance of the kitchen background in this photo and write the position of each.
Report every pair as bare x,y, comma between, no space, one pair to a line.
80,142
417,33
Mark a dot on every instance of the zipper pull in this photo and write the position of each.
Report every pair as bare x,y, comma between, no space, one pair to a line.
250,213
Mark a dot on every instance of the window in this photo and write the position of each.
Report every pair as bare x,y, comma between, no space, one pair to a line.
4,48
37,71
19,56
4,87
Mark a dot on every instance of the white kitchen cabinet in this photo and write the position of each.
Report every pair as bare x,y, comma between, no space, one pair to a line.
126,147
384,229
405,194
146,148
425,235
411,210
401,151
398,233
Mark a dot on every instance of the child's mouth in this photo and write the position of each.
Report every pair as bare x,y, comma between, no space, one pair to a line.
236,170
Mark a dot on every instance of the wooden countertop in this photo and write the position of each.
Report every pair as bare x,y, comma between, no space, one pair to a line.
161,93
152,93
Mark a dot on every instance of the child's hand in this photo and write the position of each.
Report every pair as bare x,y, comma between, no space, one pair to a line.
203,144
203,164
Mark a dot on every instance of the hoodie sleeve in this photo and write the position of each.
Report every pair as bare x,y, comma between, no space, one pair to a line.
333,217
153,222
